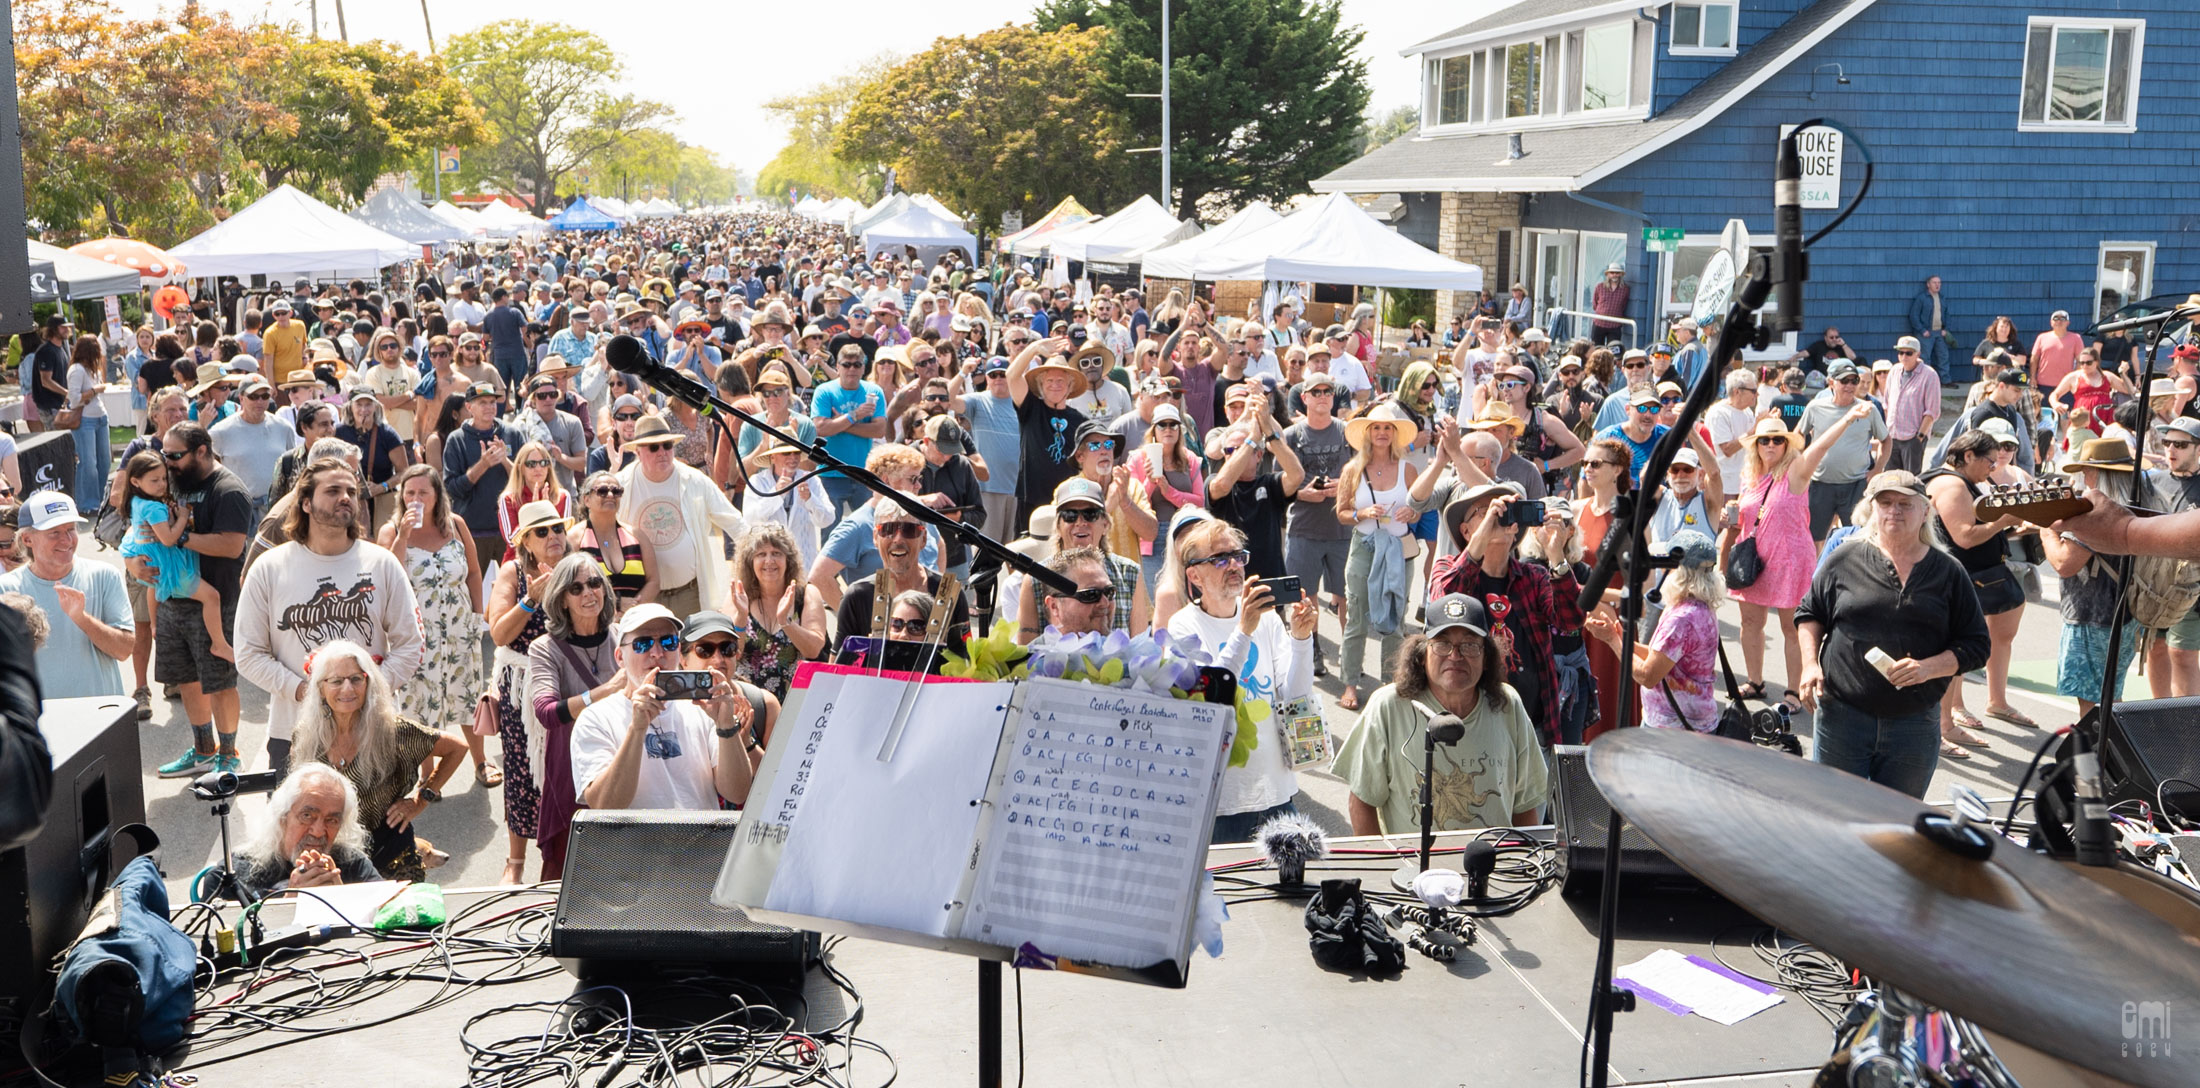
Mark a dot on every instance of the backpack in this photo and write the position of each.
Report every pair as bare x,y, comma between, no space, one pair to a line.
2162,591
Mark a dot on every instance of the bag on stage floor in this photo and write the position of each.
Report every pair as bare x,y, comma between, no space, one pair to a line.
127,980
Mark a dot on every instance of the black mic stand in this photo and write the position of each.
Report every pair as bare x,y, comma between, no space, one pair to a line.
1442,729
632,358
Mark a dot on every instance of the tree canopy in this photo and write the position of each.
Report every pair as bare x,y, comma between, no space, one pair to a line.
545,89
1011,119
809,163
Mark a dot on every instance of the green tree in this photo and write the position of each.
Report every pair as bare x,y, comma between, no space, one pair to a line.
1013,118
356,111
808,163
1052,15
1265,95
1389,125
542,89
98,149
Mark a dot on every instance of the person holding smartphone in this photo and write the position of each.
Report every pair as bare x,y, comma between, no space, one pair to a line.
639,749
1526,602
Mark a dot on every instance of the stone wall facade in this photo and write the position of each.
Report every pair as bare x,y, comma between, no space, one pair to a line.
1467,231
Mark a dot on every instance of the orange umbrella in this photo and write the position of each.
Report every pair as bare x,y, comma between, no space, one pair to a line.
151,262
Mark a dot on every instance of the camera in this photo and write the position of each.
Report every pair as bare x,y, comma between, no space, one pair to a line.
692,684
1526,513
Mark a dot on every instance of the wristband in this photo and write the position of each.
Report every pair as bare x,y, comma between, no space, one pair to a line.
588,699
727,734
527,605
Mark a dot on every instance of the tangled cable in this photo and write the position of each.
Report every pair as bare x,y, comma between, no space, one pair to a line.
1823,982
1526,867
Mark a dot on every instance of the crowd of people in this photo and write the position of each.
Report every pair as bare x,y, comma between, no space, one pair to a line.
438,528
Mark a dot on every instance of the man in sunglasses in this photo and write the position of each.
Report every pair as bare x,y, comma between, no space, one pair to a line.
1082,523
1091,609
710,640
851,418
638,749
1634,372
329,582
254,441
1838,484
543,419
1640,430
681,512
477,460
900,539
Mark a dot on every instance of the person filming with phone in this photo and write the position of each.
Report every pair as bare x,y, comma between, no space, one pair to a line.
1525,604
669,741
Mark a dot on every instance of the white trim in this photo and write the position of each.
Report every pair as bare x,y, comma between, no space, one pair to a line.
2055,23
2142,290
1452,185
1522,30
1539,122
1549,115
1678,132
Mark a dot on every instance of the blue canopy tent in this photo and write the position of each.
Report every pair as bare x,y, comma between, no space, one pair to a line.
581,215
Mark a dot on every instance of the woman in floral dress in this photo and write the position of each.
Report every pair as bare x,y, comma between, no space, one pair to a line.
439,560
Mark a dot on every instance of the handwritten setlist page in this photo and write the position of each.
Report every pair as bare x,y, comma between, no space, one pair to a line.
882,843
1102,807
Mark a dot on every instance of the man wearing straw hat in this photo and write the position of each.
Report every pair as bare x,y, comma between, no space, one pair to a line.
681,513
1042,381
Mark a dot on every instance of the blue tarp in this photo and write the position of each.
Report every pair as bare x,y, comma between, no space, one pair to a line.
581,215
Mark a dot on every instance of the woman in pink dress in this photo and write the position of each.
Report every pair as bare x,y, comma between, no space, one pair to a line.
1773,508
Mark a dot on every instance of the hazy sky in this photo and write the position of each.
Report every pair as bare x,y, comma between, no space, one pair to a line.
702,58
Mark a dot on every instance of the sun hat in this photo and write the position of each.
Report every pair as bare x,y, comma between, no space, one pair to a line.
1355,430
1771,425
535,515
653,430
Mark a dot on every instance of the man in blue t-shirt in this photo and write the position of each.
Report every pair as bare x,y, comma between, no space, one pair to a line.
506,349
1640,429
851,415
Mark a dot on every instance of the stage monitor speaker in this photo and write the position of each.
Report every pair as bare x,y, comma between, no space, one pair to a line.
49,885
637,894
2152,754
1582,819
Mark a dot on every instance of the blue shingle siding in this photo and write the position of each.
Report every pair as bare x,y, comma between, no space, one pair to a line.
2012,220
1676,76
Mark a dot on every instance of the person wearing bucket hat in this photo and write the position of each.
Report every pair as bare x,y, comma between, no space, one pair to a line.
1493,776
1678,666
1041,382
682,513
1889,622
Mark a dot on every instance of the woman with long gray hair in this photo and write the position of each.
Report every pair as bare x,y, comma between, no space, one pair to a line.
351,723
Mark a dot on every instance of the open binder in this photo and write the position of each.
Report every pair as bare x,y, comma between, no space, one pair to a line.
1047,823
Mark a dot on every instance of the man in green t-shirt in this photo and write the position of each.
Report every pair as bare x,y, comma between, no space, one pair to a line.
1494,776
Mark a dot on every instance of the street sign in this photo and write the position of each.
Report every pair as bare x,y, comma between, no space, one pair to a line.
1662,239
1820,150
1012,221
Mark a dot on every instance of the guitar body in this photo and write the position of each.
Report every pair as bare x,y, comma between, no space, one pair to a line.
2042,503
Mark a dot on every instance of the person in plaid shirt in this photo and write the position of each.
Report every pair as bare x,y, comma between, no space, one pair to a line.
1525,603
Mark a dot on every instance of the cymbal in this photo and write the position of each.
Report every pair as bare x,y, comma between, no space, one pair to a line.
2016,943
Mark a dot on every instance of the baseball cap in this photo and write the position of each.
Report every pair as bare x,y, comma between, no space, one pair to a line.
2187,350
2012,376
2059,315
947,434
1642,394
707,622
1458,610
1079,489
479,390
1906,343
642,614
1093,428
2184,425
1333,332
1895,480
1687,456
1692,548
1325,381
1534,336
49,510
1843,369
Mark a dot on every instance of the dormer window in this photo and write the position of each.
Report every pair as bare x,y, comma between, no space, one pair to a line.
1545,80
1703,28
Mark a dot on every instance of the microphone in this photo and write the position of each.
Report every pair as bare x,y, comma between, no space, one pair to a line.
1789,265
1290,841
1478,859
216,785
627,356
1446,729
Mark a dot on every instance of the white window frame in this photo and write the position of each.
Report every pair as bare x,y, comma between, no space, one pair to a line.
1559,84
1779,350
2145,287
1734,30
2054,23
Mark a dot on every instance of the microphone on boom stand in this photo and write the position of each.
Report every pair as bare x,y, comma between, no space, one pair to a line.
628,356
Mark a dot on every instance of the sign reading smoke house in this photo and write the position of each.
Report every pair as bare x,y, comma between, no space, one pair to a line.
1820,149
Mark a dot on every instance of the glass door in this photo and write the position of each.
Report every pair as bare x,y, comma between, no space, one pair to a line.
1551,255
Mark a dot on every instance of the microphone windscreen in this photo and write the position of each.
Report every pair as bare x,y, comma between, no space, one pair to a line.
1478,859
1291,840
625,353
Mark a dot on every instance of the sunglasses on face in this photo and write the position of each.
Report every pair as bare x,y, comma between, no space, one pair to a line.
1221,560
439,355
1093,595
1606,464
645,644
905,627
935,398
546,394
906,530
1682,470
1771,440
2166,444
625,417
174,456
1081,514
1500,385
1669,400
578,588
259,396
1646,409
1633,366
1846,381
713,649
1168,425
541,532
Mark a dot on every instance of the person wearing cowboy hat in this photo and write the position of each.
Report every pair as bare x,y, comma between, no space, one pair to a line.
1494,776
1042,383
1498,420
1103,399
1609,299
682,513
774,496
640,322
692,351
1374,492
210,402
477,461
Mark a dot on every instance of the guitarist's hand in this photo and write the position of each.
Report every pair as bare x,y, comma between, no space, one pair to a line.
2104,528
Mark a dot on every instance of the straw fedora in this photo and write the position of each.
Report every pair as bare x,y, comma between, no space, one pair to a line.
2112,454
1497,414
1093,350
1034,376
775,314
535,515
301,378
1771,425
1355,430
554,365
630,311
653,430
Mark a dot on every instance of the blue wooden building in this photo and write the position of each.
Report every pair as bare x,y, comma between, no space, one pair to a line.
2035,156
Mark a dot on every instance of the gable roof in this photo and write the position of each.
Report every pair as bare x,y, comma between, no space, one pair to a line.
1521,17
1570,159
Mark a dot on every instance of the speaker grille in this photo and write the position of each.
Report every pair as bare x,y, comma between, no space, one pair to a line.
2155,747
637,889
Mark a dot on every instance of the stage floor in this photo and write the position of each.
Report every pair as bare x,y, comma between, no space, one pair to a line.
1508,1012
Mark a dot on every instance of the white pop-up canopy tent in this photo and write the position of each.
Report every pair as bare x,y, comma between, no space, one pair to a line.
923,228
398,214
890,206
657,208
810,206
1142,223
1174,261
458,217
1333,240
841,210
289,233
58,273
